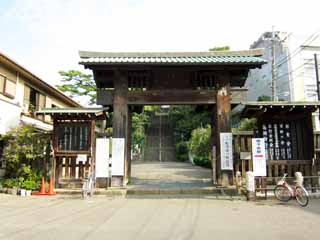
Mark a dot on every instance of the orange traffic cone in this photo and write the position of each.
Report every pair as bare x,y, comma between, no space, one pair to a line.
42,188
51,188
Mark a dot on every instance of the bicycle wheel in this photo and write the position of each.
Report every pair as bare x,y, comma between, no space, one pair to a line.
302,196
282,193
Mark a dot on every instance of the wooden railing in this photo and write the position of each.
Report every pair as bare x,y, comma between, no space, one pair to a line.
275,168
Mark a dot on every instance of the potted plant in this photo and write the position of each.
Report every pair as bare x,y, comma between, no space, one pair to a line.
29,185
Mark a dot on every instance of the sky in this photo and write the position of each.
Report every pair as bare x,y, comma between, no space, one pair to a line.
45,35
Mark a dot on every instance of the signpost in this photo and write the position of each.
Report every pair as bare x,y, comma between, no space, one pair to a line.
259,157
226,151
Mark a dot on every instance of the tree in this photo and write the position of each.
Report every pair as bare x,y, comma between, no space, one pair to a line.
264,98
78,84
200,146
223,48
139,123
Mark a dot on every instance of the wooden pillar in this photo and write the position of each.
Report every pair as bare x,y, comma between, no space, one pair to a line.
120,117
222,124
93,146
214,148
127,163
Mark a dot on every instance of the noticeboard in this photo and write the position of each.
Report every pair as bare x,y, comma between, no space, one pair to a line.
259,157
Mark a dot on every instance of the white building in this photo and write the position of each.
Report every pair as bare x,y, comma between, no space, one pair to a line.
21,94
295,69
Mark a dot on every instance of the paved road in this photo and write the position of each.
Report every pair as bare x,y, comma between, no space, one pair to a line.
155,218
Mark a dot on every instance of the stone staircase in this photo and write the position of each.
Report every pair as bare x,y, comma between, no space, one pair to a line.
159,140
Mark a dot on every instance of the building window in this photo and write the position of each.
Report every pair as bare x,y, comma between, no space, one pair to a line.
33,100
7,86
205,80
73,136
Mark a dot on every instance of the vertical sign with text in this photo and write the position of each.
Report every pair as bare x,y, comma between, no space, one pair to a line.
259,157
226,151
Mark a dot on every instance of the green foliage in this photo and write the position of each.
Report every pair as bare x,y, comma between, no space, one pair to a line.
184,119
10,183
182,151
24,147
200,146
139,123
202,161
264,98
200,142
247,124
223,48
30,185
77,84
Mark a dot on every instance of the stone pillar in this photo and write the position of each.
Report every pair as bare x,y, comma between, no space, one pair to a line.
120,118
222,124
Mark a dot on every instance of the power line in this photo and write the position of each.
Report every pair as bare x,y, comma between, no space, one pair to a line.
296,69
312,38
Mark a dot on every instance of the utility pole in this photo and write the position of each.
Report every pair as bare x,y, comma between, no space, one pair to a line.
274,80
317,74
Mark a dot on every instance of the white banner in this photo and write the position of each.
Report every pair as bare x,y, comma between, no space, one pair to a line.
102,157
259,157
117,168
226,151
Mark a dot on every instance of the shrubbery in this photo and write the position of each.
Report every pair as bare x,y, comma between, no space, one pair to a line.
182,151
25,152
200,146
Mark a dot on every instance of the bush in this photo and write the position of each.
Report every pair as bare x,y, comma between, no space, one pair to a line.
182,151
200,142
200,146
10,183
202,161
25,147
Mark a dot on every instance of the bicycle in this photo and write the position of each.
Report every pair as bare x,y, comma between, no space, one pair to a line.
284,192
88,186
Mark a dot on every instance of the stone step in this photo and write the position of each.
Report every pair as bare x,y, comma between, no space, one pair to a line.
212,193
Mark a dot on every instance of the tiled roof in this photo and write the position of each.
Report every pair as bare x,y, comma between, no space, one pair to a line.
174,58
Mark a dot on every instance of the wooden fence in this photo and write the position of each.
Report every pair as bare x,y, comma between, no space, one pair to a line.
69,173
275,168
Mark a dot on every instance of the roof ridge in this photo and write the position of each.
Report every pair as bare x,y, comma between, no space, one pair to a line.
91,54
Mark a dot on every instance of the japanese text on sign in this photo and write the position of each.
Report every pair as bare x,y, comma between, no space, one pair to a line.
226,151
259,157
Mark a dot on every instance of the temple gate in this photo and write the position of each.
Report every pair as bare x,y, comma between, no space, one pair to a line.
128,81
